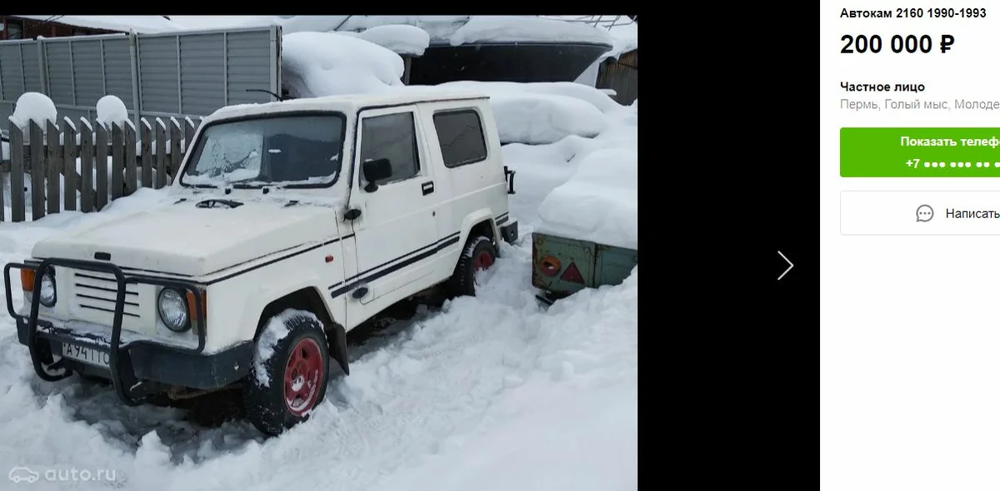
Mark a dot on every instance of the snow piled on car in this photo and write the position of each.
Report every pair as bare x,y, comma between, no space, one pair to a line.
316,64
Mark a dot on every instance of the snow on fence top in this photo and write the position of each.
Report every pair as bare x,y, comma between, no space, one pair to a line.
33,106
111,109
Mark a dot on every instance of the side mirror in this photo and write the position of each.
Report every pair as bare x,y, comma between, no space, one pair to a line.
375,170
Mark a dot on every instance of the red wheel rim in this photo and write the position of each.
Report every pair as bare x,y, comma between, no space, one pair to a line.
303,372
483,261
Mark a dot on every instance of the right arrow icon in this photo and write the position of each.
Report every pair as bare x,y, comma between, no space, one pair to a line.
790,265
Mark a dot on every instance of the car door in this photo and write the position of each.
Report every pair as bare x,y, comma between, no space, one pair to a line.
396,230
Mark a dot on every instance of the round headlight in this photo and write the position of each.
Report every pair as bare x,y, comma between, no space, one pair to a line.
173,310
47,294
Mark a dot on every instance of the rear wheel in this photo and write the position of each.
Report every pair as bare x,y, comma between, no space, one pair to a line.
283,389
479,254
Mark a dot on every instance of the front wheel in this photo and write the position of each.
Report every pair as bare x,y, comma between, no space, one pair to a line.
289,375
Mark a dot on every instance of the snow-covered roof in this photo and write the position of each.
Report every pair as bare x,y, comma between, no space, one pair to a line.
348,103
442,29
143,24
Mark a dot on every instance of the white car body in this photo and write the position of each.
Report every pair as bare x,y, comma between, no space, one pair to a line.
409,235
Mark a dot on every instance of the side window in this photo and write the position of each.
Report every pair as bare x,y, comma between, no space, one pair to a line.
461,137
392,137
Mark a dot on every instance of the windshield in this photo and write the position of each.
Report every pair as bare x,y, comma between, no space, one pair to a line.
274,150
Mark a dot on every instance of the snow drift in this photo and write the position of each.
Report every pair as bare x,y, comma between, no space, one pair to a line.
317,64
399,38
484,28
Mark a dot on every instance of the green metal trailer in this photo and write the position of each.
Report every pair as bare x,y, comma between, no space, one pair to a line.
562,266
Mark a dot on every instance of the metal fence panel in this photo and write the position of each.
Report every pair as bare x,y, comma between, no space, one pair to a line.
19,73
251,56
88,76
117,70
187,74
32,67
203,73
159,74
59,65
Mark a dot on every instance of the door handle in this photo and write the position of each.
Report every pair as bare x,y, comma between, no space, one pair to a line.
427,187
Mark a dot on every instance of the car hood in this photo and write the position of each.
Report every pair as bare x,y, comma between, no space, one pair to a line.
183,239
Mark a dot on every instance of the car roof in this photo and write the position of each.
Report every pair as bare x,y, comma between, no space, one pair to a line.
348,103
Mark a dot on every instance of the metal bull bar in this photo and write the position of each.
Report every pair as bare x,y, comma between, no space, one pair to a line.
123,388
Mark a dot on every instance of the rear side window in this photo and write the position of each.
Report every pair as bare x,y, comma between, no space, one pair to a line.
461,136
393,137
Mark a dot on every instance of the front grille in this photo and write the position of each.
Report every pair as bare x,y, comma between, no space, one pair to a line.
94,295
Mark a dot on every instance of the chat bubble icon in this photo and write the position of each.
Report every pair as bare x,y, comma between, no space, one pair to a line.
925,213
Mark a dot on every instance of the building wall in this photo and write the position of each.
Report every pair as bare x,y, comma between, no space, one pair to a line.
622,76
17,28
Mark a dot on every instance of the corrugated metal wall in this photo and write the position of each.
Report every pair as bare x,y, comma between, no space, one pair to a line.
19,73
188,74
622,76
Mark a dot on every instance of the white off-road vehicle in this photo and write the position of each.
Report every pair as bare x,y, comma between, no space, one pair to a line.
288,224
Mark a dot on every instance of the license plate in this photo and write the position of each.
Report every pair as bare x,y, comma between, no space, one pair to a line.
87,355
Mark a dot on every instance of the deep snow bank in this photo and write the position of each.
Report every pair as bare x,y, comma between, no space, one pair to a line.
581,186
543,112
526,28
599,202
400,38
316,64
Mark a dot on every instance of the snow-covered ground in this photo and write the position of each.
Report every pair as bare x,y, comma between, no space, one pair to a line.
494,392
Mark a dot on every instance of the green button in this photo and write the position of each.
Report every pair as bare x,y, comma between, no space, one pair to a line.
920,152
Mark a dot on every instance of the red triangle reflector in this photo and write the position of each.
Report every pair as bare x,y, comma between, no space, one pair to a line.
572,274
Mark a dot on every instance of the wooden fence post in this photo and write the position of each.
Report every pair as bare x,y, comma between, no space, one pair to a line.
37,149
161,154
117,160
70,183
86,166
175,147
53,165
189,129
131,177
146,137
16,173
102,165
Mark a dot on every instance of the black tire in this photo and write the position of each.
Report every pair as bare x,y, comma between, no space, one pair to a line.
305,345
479,253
